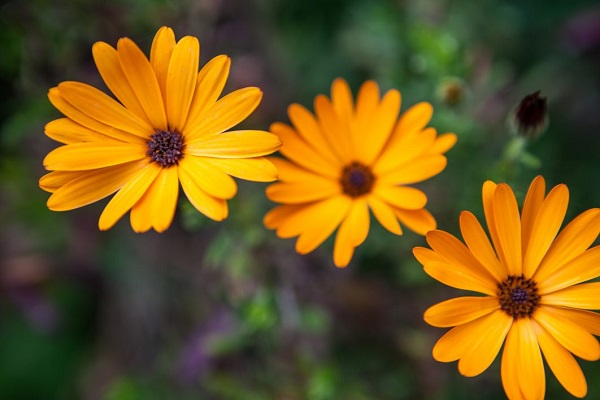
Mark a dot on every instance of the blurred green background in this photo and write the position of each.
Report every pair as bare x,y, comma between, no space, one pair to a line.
226,310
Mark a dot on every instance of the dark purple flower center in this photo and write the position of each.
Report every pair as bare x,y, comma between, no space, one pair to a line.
518,296
357,179
165,147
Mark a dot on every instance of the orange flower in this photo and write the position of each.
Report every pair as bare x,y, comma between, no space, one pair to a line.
531,277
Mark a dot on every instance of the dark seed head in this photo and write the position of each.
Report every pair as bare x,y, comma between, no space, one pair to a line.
518,296
530,116
165,147
357,179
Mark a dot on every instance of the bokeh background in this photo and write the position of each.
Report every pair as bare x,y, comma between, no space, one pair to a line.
227,310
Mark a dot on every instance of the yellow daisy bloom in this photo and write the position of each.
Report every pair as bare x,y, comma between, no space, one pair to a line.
351,158
531,275
167,127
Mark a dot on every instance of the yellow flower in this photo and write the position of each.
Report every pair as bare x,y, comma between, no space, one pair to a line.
349,159
532,281
166,128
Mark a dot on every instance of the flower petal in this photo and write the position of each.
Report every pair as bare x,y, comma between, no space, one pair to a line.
588,320
280,215
566,332
384,214
308,128
209,84
55,179
99,106
574,239
532,379
143,80
303,154
160,56
315,228
156,208
531,208
333,130
425,256
508,226
487,194
545,227
129,194
257,169
353,231
415,171
580,296
235,144
453,345
74,113
302,191
413,120
90,155
181,81
561,362
211,180
509,368
290,172
443,143
67,131
214,208
457,277
225,113
480,355
419,221
93,186
460,310
379,130
107,62
404,197
462,260
401,152
480,246
582,268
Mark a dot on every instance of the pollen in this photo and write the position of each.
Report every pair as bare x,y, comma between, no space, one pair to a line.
518,296
357,179
165,147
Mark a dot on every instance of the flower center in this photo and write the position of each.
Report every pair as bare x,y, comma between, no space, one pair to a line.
518,296
357,179
165,147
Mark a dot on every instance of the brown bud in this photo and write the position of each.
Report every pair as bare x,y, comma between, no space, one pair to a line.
530,117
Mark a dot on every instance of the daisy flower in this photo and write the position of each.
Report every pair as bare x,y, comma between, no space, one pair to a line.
349,159
165,127
531,278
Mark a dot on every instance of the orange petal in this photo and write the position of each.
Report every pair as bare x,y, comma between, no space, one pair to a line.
214,208
181,81
401,152
482,352
55,179
302,153
561,362
379,130
90,155
588,320
530,366
143,81
235,144
367,101
580,296
129,194
460,310
403,197
508,226
209,84
574,239
211,180
568,333
580,269
384,214
531,207
419,221
417,170
510,366
67,131
303,191
487,194
279,215
457,277
353,231
443,143
333,130
462,259
93,186
257,169
545,227
480,246
425,256
225,113
107,62
160,56
97,105
308,128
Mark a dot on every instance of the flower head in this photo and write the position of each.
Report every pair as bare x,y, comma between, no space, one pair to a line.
167,126
529,118
531,277
351,158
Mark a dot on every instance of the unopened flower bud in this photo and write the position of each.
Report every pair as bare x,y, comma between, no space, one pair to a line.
529,118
